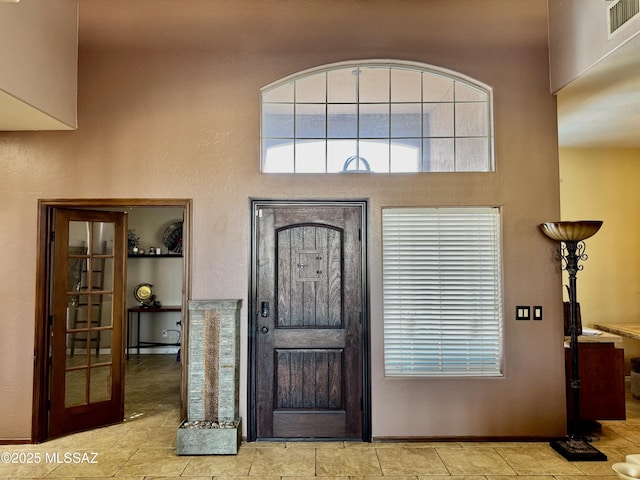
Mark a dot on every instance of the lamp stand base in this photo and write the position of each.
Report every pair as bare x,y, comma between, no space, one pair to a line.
576,449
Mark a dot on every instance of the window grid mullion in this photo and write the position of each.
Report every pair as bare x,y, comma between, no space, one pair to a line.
326,122
295,123
358,113
389,121
455,133
405,140
422,156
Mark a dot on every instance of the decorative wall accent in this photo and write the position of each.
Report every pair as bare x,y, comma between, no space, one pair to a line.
213,422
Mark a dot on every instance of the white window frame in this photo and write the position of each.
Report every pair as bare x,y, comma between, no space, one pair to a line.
287,146
442,292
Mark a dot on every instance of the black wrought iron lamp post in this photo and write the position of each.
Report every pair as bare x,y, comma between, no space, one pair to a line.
572,250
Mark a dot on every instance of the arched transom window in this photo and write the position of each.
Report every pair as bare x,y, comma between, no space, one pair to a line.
376,116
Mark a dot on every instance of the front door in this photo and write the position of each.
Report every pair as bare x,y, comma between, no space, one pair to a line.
308,322
87,306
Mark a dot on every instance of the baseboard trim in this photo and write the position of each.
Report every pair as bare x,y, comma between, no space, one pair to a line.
15,441
460,439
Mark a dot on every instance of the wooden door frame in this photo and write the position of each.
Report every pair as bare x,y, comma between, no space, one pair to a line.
39,416
253,310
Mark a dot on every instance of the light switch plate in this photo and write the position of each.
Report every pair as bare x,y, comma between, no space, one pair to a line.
537,312
523,312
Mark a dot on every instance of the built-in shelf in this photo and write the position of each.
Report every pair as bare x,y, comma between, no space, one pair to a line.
164,255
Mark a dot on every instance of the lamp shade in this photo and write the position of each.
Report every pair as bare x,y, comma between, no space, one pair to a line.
571,231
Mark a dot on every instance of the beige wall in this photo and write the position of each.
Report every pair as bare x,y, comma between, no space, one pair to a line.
602,184
38,59
579,37
184,123
164,273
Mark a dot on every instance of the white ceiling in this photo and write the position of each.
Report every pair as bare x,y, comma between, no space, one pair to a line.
602,107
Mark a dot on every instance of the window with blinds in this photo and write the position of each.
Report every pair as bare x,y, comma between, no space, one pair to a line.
442,283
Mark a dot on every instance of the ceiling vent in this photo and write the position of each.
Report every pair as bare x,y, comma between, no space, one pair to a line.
620,12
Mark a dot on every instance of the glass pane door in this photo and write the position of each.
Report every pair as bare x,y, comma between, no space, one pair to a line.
88,317
89,312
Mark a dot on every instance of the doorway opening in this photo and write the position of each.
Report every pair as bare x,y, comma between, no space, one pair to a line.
309,373
119,327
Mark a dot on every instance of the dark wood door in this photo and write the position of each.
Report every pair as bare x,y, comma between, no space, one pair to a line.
308,334
87,371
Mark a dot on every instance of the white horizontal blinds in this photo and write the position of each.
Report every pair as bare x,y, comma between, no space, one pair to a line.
442,292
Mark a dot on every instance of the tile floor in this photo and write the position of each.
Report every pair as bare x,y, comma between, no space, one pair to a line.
143,447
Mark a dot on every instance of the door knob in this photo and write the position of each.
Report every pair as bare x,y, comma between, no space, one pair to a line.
264,329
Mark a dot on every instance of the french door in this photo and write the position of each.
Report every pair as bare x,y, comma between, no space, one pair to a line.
87,316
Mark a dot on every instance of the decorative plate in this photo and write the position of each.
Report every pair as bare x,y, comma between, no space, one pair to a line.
143,293
173,237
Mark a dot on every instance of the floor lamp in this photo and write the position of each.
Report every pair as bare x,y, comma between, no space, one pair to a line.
571,251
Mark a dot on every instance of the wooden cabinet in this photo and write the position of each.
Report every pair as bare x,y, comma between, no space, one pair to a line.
602,389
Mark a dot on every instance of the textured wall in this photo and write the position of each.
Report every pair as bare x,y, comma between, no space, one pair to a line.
182,121
602,184
579,37
39,57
